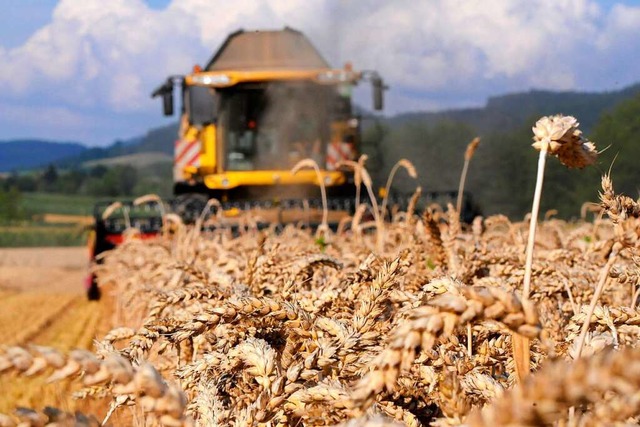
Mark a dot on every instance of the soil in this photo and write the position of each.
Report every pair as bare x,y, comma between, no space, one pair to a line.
44,269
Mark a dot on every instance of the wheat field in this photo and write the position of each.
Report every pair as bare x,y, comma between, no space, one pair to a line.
280,329
417,321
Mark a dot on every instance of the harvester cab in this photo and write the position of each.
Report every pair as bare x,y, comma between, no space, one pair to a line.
264,101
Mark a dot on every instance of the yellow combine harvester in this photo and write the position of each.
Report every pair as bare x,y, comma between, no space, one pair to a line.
266,100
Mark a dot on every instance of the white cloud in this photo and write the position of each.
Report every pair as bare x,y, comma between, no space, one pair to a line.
436,44
108,56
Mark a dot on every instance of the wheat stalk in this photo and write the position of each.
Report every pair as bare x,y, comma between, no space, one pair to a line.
411,170
468,155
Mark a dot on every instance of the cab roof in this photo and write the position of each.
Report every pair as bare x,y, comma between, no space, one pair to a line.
286,49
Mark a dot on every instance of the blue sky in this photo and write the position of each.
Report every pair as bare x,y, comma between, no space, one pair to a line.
82,70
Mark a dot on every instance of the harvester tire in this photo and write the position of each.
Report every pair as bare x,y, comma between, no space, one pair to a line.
189,206
94,293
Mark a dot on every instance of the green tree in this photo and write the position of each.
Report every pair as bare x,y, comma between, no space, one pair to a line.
48,179
371,145
117,181
26,182
435,150
71,181
502,173
128,177
619,132
10,205
98,171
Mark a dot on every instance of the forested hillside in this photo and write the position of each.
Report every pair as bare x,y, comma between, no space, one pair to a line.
157,140
508,112
502,174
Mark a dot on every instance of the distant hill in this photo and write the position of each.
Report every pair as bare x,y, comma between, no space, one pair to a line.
137,160
161,140
157,140
28,153
508,112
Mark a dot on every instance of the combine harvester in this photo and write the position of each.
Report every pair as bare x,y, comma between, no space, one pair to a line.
266,100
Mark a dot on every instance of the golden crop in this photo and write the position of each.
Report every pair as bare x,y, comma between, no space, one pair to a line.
409,324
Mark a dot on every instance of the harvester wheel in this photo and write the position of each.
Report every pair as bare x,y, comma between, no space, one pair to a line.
189,206
93,292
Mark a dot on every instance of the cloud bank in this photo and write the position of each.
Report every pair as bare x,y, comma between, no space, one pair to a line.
88,73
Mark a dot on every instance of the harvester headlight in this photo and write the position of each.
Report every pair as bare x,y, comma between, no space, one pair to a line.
327,180
211,79
225,182
335,76
326,76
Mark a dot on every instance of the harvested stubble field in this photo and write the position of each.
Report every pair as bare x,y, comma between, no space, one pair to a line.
417,321
42,303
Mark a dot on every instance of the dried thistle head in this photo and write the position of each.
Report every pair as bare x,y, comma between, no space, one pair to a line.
551,130
560,136
471,148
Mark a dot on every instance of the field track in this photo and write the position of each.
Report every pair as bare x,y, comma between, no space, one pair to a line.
42,301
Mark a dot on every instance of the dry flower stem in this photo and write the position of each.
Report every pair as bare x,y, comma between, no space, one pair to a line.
412,172
366,180
153,198
596,296
535,209
310,163
521,345
357,177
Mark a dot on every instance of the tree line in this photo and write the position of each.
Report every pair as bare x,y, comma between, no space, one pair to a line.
98,181
501,176
117,181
